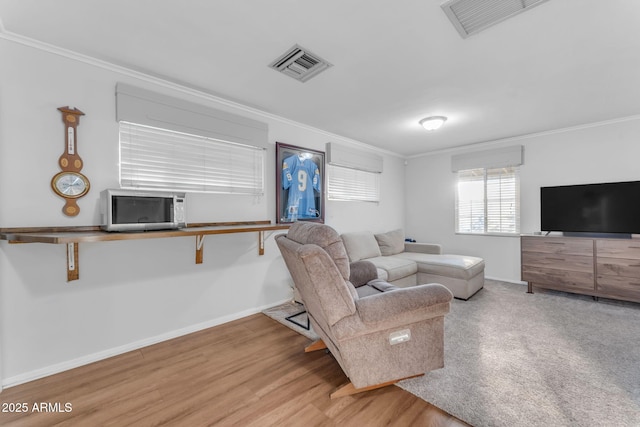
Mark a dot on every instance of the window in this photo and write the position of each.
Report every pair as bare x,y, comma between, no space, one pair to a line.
169,143
488,201
352,184
353,174
161,159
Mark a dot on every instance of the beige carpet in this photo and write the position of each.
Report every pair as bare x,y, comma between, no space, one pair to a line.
542,359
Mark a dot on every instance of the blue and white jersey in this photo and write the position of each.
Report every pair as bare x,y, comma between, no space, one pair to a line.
301,177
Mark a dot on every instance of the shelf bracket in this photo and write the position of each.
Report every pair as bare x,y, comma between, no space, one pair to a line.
73,266
260,242
199,248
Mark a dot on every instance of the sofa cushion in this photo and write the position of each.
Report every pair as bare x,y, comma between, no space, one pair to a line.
361,245
366,291
457,266
396,267
391,242
382,285
374,287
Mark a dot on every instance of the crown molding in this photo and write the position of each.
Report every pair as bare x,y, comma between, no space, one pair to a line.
520,138
179,87
204,95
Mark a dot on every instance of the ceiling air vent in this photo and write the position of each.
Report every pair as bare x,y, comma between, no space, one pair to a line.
472,16
300,64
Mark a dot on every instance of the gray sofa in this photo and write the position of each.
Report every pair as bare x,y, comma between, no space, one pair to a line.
408,264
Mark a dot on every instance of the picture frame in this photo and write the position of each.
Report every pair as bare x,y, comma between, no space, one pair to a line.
300,184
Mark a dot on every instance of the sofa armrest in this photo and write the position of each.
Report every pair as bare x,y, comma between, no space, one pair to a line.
361,272
425,300
424,248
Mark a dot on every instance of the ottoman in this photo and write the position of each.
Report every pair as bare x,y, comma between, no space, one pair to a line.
462,274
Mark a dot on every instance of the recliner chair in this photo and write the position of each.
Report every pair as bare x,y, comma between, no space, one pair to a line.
378,339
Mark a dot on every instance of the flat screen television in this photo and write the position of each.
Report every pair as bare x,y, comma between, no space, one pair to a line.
607,208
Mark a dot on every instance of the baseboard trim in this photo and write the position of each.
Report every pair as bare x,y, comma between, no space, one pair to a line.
105,354
515,282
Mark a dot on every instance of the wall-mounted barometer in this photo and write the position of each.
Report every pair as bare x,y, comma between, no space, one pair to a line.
70,184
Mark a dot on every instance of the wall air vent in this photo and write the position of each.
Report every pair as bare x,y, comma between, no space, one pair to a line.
300,64
472,16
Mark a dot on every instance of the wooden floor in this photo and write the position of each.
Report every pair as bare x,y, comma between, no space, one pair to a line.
250,372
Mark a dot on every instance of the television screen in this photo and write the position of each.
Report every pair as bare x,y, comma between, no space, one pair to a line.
591,208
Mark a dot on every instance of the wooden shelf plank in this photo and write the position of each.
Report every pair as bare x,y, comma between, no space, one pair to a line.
42,235
72,236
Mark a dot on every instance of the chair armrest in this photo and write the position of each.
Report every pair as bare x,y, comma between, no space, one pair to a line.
427,300
424,248
361,272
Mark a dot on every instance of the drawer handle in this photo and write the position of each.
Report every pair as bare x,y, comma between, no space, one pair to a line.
554,243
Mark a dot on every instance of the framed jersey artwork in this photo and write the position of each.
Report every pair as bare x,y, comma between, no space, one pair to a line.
300,184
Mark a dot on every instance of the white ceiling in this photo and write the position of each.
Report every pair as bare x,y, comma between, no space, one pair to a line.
564,63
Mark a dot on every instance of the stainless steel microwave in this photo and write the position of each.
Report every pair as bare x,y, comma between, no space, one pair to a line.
133,210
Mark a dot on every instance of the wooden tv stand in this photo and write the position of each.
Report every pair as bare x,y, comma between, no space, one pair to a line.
600,267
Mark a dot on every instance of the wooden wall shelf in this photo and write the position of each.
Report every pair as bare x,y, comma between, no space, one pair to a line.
73,236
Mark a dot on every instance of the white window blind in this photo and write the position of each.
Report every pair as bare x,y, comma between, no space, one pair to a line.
494,158
349,157
352,184
136,105
488,201
161,159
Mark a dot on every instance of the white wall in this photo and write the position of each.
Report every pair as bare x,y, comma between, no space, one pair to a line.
606,152
130,293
